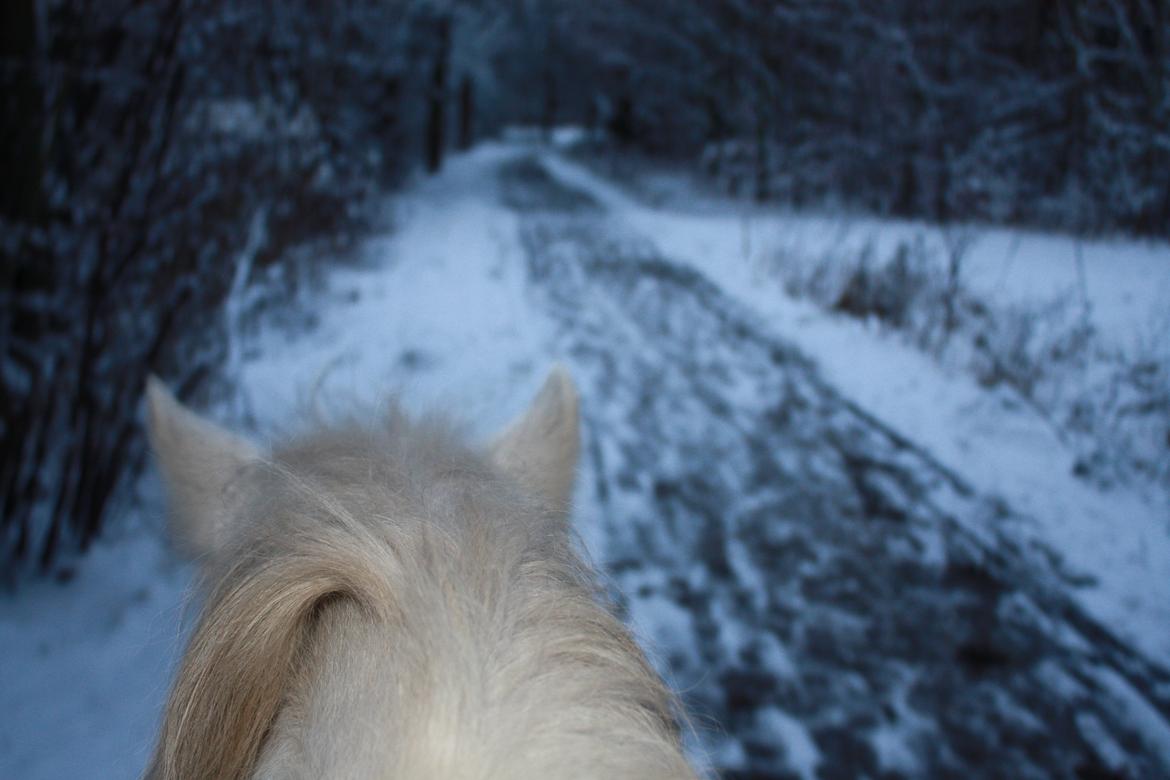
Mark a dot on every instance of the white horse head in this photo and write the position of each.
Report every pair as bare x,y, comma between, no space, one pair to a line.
387,602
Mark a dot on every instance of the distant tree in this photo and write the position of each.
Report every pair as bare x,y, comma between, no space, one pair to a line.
437,100
1003,110
466,112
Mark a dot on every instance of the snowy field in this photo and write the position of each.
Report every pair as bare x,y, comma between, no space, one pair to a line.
850,558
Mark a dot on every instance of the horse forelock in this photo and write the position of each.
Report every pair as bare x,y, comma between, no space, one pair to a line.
488,618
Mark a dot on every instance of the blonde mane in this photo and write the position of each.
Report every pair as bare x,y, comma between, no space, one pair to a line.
390,603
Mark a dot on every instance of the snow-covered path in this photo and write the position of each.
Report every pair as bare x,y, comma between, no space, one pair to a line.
438,315
1116,541
818,583
828,595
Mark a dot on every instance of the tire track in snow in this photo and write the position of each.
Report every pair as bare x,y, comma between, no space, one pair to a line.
825,593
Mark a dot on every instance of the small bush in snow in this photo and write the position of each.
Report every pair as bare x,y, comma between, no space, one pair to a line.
889,290
1110,408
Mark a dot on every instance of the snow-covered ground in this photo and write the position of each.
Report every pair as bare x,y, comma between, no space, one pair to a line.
465,307
1127,281
1119,539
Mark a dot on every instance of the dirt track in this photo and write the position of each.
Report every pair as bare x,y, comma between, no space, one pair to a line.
802,569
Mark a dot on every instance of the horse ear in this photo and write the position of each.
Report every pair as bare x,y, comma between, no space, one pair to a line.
200,462
540,447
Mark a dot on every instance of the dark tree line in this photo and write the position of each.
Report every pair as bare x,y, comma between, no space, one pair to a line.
158,155
1048,113
152,153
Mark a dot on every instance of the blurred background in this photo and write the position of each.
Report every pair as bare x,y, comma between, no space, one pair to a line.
867,300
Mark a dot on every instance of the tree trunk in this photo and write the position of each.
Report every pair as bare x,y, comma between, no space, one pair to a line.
621,124
21,150
466,113
762,190
436,116
548,111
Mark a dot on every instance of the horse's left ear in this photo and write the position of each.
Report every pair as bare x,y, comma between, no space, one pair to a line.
200,463
540,448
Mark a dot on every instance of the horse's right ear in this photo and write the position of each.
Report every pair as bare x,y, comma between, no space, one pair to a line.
540,448
200,463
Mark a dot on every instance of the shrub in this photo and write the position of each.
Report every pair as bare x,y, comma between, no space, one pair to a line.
1110,407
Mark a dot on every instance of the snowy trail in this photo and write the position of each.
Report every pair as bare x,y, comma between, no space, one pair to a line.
814,582
438,317
1117,541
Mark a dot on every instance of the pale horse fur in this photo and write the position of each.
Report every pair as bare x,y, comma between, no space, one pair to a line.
386,602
